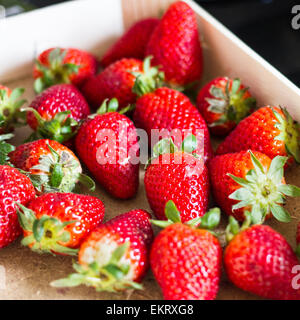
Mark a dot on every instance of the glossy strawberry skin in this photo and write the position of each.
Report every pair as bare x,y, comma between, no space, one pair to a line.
186,263
114,172
14,187
237,164
86,61
116,81
133,227
260,260
171,110
58,98
87,211
184,179
133,43
175,45
211,117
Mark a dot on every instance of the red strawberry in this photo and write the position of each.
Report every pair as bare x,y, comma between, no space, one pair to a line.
223,103
269,130
115,255
175,45
57,65
51,166
260,260
10,105
186,261
247,181
14,187
55,113
107,144
178,176
59,222
133,43
172,113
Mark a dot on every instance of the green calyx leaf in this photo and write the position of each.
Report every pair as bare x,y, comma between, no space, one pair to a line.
5,148
112,277
230,104
263,191
108,106
47,234
149,80
57,72
233,227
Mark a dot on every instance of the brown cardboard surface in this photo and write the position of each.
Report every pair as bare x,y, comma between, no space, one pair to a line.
28,274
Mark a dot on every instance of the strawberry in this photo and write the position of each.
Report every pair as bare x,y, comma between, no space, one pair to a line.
186,261
172,114
259,260
50,165
10,105
175,45
269,130
115,255
57,65
251,181
14,187
133,42
179,176
55,113
59,222
107,144
223,103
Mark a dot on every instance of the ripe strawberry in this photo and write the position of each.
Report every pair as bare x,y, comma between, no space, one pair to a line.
55,113
175,45
171,113
186,261
178,176
115,255
133,42
259,260
10,105
50,166
247,181
223,103
269,130
59,222
14,186
107,144
57,65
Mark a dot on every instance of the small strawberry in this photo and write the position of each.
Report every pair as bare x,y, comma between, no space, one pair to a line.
115,255
175,45
133,42
186,261
106,143
14,187
251,181
57,65
269,130
55,113
50,166
259,260
10,105
170,113
179,176
59,222
223,103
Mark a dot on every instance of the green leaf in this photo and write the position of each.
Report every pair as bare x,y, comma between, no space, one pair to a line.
119,253
57,175
194,222
113,105
256,214
276,170
39,85
87,182
256,163
217,92
241,194
161,223
164,146
211,219
289,190
172,212
236,83
73,280
280,213
240,181
114,270
189,144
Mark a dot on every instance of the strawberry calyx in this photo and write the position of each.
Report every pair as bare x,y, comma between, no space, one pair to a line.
110,277
57,72
264,190
149,80
46,234
61,128
231,104
10,104
289,133
59,173
5,148
233,228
